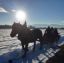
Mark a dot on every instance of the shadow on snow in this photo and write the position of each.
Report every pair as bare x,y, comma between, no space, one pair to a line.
16,55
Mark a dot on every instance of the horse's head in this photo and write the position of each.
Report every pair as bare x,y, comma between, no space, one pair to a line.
15,29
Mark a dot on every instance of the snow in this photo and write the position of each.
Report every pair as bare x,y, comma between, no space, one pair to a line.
11,49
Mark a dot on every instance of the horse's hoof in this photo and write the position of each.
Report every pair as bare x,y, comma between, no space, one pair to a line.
33,50
23,56
22,50
27,49
10,61
40,62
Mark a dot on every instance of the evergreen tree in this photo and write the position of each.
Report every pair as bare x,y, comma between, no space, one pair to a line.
25,24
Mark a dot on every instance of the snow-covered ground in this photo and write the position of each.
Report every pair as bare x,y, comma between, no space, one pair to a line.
11,49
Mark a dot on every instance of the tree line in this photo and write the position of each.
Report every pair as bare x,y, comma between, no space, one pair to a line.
5,26
31,27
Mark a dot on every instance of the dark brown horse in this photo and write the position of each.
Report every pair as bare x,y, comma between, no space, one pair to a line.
51,35
25,35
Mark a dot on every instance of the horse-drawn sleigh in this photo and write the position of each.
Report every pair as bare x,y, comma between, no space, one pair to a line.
26,36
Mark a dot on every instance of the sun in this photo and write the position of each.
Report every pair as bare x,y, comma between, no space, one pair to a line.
20,16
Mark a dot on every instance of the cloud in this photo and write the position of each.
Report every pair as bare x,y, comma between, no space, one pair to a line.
3,10
13,11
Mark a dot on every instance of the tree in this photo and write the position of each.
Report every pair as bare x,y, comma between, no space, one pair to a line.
25,24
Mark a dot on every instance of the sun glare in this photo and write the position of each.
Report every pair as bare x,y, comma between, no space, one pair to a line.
20,16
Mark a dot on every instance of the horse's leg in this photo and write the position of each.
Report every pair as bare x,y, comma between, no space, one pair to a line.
41,45
25,50
41,42
22,46
26,47
34,46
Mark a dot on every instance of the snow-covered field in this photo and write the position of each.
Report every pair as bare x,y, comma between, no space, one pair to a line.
11,49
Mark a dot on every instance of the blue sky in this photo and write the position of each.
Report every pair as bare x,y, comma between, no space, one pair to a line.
38,11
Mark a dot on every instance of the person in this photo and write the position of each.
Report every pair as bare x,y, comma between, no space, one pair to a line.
47,30
47,34
56,33
52,30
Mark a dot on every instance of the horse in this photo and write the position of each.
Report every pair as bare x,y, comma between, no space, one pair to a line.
26,36
51,35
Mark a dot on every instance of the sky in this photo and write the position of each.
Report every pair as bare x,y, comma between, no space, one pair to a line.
38,11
